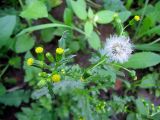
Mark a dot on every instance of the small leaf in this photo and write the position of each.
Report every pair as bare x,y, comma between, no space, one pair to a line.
2,89
142,60
24,43
88,28
47,34
15,62
7,25
34,9
104,17
149,80
94,41
79,8
68,16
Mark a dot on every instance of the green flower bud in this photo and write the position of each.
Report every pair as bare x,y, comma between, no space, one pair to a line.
49,56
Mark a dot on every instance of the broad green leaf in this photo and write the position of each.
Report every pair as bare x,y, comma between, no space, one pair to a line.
15,98
141,108
149,80
142,60
7,25
24,43
47,34
104,17
88,28
79,8
124,15
94,41
148,47
68,16
34,9
131,116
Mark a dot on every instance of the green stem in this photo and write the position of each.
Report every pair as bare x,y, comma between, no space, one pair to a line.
121,67
21,4
101,61
4,70
157,40
142,16
49,25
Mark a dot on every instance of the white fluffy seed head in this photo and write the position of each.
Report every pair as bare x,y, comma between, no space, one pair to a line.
118,48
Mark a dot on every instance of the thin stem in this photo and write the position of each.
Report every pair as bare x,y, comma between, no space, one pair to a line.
4,70
21,4
157,40
121,67
142,16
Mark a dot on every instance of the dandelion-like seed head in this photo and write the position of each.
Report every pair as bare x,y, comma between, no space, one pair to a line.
118,48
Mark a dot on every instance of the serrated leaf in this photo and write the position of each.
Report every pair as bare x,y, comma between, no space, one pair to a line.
104,17
142,60
34,9
7,25
79,8
94,41
24,43
15,98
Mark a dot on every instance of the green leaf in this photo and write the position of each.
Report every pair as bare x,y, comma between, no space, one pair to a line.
94,41
131,116
148,47
149,80
124,15
15,62
2,89
7,25
47,34
35,112
24,43
104,17
156,116
141,108
79,8
34,9
74,46
88,28
142,60
68,16
15,98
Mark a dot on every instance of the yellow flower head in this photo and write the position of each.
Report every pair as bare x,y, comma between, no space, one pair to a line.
39,50
60,51
30,61
137,18
56,78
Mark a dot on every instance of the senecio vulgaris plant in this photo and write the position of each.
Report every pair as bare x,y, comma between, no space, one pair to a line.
77,89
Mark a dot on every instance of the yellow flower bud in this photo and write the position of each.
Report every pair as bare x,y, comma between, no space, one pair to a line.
56,78
137,18
60,51
30,61
39,50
